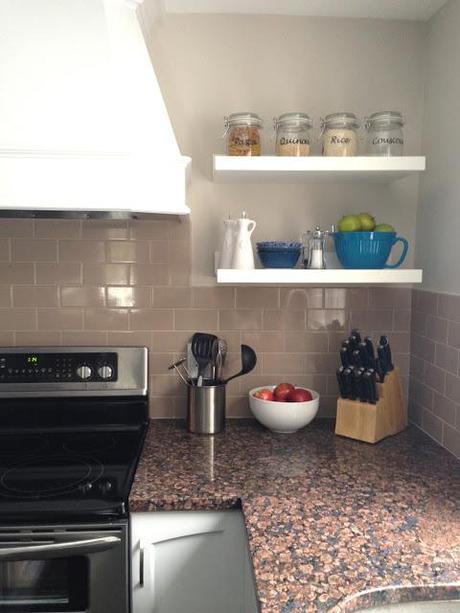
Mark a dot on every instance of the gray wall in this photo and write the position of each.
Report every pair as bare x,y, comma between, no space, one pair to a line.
438,218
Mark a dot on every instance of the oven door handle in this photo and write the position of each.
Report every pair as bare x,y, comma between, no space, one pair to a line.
60,550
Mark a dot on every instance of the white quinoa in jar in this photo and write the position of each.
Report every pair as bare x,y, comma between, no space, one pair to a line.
243,134
339,134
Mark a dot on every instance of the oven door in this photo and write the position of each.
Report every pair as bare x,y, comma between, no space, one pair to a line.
72,570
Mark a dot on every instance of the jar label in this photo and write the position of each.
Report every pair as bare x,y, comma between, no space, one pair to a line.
387,140
294,141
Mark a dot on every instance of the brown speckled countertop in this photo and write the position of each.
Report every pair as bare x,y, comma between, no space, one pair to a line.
327,517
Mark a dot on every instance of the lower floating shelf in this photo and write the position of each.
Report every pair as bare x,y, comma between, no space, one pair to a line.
339,277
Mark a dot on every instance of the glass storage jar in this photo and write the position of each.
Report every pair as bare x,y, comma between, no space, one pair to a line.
339,134
385,135
243,134
292,132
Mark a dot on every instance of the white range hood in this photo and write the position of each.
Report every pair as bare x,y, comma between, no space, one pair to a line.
83,125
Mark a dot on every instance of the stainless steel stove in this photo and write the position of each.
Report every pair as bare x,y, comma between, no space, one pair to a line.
72,425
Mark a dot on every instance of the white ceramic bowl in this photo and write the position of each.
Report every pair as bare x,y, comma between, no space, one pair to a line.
283,417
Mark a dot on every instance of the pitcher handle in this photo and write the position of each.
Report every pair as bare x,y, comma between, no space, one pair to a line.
403,254
251,227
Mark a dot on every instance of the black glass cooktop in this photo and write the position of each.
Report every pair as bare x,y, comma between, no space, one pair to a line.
61,466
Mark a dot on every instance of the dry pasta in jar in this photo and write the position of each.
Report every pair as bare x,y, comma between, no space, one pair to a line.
243,134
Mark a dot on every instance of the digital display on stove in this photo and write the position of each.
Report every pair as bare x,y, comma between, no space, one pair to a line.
32,359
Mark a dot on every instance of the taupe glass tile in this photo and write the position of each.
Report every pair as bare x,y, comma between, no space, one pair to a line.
4,249
401,320
208,297
335,298
152,319
17,228
149,274
105,229
322,319
131,338
172,297
417,367
16,273
241,319
390,297
139,297
18,319
400,341
283,320
5,296
447,358
425,301
88,296
173,342
7,338
435,378
358,297
418,322
167,385
449,307
284,364
432,425
421,394
56,274
415,413
84,338
453,387
81,251
320,363
106,274
150,230
25,250
179,229
452,440
372,320
57,228
46,338
127,251
37,295
266,342
306,342
444,408
106,319
257,297
453,334
436,328
60,319
300,298
238,407
161,408
159,252
159,363
198,320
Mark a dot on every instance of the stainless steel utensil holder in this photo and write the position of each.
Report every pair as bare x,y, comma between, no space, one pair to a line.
206,409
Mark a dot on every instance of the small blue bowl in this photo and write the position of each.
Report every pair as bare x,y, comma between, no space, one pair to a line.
368,249
278,254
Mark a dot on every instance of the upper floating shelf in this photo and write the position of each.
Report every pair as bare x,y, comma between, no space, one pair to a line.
278,169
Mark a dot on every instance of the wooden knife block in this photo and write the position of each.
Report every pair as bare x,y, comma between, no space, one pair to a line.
373,422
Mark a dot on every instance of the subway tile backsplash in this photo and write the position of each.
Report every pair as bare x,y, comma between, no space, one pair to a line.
434,399
70,282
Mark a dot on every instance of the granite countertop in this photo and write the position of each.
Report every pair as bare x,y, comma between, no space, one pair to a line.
327,517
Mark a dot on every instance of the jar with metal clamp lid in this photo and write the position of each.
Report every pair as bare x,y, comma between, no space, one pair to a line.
385,135
243,134
339,134
292,132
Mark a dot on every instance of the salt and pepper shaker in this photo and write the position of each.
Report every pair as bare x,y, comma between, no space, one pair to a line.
314,248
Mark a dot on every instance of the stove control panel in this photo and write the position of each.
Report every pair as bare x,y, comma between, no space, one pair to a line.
62,367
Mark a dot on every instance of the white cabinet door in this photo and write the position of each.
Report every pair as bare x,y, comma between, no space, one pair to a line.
191,562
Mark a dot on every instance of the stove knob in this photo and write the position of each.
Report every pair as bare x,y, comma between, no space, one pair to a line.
84,372
105,372
105,487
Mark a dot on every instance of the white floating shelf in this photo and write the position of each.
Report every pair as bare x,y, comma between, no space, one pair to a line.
340,277
278,169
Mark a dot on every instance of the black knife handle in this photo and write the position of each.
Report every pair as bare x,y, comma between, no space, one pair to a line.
344,357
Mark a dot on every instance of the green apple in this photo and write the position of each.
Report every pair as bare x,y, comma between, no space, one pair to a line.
384,227
367,222
349,223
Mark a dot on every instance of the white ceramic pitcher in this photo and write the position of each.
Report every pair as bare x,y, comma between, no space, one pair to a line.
228,244
243,256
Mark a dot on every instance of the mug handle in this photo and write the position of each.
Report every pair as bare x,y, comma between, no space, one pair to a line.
403,254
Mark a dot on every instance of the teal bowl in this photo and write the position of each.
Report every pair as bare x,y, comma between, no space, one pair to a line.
368,249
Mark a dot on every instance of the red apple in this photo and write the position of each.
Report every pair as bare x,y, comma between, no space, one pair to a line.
299,394
282,391
264,394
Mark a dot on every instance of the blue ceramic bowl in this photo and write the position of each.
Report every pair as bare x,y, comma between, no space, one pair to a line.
368,249
278,254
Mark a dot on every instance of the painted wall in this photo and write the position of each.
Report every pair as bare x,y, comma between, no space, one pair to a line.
438,218
210,66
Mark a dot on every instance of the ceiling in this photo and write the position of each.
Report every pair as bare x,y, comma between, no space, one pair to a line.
419,10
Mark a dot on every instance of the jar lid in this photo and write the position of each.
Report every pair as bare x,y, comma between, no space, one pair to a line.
243,119
386,117
340,120
300,120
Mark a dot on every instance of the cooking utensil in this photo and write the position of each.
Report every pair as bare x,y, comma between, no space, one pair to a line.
206,409
202,352
176,365
220,358
248,362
